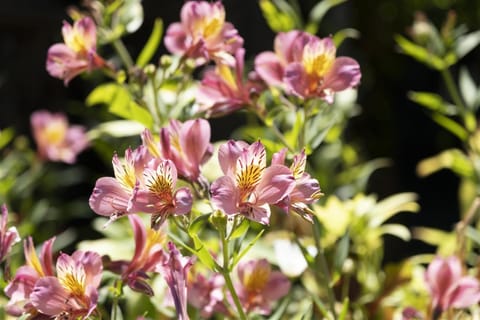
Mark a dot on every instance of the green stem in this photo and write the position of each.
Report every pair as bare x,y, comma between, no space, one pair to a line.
228,279
275,129
156,112
123,53
321,262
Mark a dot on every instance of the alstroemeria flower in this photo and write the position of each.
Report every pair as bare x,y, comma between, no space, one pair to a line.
307,189
77,54
318,72
148,254
20,288
73,292
223,89
249,187
56,139
8,237
270,66
448,287
206,294
175,271
203,34
186,144
259,286
112,197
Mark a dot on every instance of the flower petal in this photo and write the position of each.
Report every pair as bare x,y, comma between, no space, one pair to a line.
224,195
108,197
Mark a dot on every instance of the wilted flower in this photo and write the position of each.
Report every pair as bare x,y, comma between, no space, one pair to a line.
318,73
73,292
248,186
8,237
56,140
203,33
77,54
448,287
223,89
307,189
186,144
148,254
259,286
175,271
206,294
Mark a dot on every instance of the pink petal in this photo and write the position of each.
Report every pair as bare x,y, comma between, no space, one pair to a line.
228,153
47,257
277,182
109,197
63,63
257,212
175,38
87,31
139,233
466,294
195,140
279,157
91,262
49,296
269,68
284,45
224,195
345,73
277,287
296,80
183,201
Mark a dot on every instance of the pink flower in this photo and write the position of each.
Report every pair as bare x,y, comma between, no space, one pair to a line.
56,140
113,197
206,294
175,271
248,186
448,287
223,90
148,254
317,72
8,237
22,285
259,286
186,144
271,65
77,54
73,292
306,190
141,186
203,33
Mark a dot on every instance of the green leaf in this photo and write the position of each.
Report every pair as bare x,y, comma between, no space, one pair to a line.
397,230
239,256
453,159
152,44
423,55
198,224
117,129
433,102
392,205
343,34
467,43
344,312
6,135
239,230
280,16
468,89
341,252
451,126
119,102
280,309
473,234
318,12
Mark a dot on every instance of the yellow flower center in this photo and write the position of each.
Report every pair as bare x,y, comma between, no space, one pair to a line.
257,278
317,60
76,42
226,73
54,133
73,279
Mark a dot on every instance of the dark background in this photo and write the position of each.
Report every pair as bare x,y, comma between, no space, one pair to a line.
390,125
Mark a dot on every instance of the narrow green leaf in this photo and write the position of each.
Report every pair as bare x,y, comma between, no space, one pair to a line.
343,34
397,230
451,126
119,102
117,129
468,89
6,135
467,43
280,309
344,312
453,159
318,12
423,55
240,230
198,224
392,205
473,234
279,19
152,44
341,252
433,102
238,257
203,254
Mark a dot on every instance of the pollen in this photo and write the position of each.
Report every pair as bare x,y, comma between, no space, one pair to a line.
73,281
249,177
